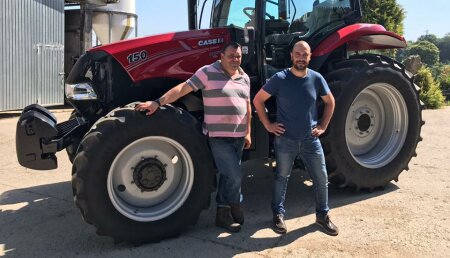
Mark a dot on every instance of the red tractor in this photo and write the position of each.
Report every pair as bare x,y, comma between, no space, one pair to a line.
141,179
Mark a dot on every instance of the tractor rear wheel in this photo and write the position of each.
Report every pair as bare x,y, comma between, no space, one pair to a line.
376,123
141,178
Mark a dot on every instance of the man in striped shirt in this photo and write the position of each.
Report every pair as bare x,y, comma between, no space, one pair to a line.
227,114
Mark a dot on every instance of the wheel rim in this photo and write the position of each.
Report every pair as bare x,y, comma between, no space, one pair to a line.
376,125
150,178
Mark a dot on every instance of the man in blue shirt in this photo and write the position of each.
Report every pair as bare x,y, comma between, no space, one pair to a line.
297,130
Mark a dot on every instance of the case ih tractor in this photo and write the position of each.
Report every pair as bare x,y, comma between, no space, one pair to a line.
141,178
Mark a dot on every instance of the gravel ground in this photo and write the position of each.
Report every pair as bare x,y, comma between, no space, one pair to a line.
407,218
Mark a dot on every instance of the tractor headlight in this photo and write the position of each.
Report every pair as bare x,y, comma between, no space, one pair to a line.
80,91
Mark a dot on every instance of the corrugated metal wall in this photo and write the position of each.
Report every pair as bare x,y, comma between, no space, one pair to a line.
31,53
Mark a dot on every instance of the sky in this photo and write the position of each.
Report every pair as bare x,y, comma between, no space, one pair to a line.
422,17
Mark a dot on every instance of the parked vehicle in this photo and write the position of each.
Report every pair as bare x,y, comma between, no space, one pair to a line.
141,178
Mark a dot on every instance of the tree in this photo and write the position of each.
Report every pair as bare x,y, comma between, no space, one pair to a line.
428,52
430,38
430,93
385,12
444,48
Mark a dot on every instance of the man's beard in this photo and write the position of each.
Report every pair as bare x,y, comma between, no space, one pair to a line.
300,66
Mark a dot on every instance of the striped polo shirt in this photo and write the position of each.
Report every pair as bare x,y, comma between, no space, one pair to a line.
224,99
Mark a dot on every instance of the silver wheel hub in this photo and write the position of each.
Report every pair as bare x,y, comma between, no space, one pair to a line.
149,174
363,121
376,125
150,178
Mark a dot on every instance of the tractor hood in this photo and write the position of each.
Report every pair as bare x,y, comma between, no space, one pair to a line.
176,55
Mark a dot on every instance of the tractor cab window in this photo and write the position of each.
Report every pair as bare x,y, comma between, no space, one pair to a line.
234,13
303,17
284,22
288,20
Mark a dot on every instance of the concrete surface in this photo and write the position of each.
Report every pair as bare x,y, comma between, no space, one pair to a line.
406,219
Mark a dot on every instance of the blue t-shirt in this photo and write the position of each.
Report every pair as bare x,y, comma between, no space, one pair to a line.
296,101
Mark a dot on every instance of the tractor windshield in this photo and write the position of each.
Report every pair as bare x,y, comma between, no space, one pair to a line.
240,13
299,17
308,16
284,22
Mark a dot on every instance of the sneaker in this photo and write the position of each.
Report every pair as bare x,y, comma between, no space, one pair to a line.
278,224
226,221
327,225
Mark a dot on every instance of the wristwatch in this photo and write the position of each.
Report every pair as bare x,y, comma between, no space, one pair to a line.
158,102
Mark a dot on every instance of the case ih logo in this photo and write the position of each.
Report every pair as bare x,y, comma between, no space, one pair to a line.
207,42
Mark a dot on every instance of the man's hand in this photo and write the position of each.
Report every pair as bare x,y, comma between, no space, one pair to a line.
275,128
248,141
318,131
150,106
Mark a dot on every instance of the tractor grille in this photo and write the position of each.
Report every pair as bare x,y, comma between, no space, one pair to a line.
67,126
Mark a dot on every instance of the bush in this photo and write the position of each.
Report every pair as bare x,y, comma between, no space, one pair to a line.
444,78
430,94
428,52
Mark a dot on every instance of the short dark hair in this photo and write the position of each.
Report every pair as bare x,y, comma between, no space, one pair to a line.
232,44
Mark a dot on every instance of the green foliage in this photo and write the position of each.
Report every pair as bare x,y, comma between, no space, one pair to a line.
444,77
430,38
402,53
428,52
436,70
430,93
444,48
385,12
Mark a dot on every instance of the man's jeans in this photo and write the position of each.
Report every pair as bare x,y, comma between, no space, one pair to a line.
227,153
310,151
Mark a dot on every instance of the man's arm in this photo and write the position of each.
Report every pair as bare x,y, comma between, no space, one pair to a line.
328,101
170,96
248,138
258,101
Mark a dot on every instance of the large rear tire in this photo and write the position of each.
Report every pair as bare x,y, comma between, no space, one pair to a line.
142,179
376,123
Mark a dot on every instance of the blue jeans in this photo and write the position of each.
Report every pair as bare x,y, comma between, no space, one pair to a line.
310,151
227,153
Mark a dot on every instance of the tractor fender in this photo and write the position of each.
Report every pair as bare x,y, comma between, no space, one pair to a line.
360,36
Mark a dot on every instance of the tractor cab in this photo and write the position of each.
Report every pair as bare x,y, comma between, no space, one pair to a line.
275,25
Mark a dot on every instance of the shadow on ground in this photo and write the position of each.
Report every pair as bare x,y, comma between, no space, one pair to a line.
43,218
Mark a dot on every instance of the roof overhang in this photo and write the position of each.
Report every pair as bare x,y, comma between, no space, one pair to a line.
92,2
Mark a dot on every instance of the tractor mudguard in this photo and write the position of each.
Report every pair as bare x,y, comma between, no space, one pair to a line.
39,137
360,36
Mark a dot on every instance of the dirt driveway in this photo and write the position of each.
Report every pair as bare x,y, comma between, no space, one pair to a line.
405,219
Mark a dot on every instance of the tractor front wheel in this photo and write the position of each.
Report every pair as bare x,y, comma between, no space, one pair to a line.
142,179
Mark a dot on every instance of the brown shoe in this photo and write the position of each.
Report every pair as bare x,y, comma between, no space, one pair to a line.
327,225
225,220
278,224
237,213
